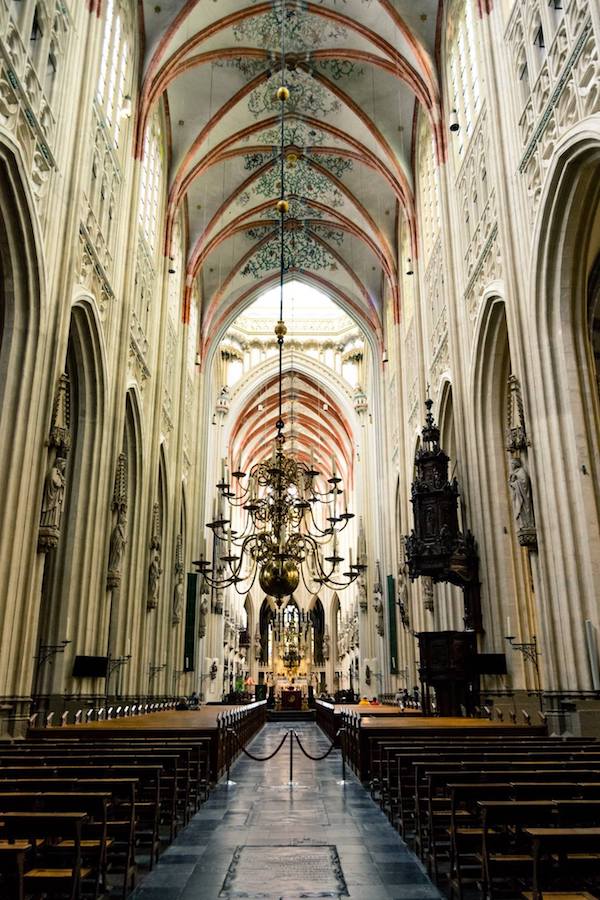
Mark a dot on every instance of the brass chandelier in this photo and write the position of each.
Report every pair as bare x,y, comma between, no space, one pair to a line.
286,521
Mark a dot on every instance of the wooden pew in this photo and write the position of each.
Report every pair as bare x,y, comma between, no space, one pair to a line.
121,815
94,839
44,831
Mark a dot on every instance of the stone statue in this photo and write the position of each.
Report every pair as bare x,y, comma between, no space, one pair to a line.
428,594
378,604
522,501
177,600
326,644
154,573
203,613
402,586
363,600
115,550
52,503
520,488
54,492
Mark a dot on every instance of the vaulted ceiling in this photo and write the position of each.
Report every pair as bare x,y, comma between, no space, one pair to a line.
357,71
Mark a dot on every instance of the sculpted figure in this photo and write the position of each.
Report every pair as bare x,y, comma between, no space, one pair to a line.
54,493
326,644
154,573
428,594
177,600
520,489
402,587
117,542
204,607
378,607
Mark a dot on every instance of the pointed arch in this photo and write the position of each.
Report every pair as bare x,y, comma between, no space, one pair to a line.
68,574
566,240
24,379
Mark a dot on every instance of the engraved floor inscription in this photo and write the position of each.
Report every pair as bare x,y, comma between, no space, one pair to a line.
279,815
284,872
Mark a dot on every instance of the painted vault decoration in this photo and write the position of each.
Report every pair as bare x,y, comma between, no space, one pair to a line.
355,70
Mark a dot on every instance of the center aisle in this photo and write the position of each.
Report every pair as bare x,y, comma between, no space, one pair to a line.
261,838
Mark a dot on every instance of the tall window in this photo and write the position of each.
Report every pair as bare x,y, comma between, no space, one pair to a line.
110,92
463,70
429,202
150,182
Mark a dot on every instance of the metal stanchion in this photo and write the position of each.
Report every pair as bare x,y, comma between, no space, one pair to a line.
342,737
229,752
291,734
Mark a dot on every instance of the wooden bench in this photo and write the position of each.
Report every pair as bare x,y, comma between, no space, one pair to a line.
51,873
120,819
579,845
94,840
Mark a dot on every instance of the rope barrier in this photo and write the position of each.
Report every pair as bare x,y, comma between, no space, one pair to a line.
260,758
308,755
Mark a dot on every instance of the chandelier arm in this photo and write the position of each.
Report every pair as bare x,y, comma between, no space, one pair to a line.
321,531
311,591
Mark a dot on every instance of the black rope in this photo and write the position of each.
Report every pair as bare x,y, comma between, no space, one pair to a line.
308,755
260,758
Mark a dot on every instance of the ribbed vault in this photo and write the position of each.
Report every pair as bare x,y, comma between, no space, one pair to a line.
357,71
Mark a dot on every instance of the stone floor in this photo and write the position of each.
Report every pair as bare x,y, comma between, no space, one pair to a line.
262,838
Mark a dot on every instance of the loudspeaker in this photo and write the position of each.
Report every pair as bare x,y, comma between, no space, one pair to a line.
90,667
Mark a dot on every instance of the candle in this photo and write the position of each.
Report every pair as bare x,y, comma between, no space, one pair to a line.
333,465
350,556
508,631
223,464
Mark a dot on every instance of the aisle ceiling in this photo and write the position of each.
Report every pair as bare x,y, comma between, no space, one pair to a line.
355,70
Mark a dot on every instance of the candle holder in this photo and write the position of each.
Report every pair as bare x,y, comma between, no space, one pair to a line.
48,651
530,652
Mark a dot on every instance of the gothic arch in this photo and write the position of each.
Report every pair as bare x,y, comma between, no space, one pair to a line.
566,243
506,577
127,616
68,575
24,420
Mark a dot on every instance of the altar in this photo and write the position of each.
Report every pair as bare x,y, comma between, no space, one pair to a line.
296,684
291,698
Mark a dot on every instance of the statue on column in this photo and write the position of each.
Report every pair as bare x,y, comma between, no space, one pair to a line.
326,643
402,599
203,613
178,585
378,603
154,569
522,501
257,647
363,599
115,551
428,594
118,536
54,486
52,504
218,601
154,573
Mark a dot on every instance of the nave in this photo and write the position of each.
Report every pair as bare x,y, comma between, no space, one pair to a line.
262,838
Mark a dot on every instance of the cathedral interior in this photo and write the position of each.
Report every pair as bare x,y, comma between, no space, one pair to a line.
299,446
